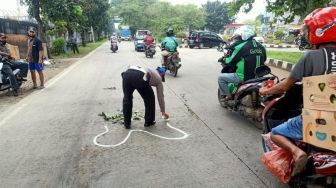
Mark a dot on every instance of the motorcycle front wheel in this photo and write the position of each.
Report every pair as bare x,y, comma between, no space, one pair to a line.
219,97
174,70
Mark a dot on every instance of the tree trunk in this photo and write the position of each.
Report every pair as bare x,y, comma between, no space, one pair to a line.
41,29
83,39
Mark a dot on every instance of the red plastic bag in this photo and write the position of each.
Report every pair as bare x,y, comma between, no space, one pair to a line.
269,142
279,163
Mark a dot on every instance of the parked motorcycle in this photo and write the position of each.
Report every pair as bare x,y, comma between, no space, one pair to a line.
172,63
4,80
114,46
150,51
245,96
321,166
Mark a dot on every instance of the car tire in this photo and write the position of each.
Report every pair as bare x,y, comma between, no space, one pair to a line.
191,47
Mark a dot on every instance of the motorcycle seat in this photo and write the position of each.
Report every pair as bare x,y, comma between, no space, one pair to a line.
254,80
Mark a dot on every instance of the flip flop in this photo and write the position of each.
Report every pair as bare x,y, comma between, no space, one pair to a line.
300,165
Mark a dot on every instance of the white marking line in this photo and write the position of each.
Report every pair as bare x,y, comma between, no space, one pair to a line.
185,135
12,114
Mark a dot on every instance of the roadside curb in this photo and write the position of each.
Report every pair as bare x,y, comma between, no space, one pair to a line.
280,46
280,64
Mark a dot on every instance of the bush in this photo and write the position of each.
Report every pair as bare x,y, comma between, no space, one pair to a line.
181,35
290,39
58,46
279,34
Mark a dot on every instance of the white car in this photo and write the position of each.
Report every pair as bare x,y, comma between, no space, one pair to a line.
261,40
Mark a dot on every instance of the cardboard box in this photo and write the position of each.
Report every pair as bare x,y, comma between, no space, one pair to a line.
319,92
319,128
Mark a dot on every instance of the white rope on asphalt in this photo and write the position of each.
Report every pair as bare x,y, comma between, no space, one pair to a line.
185,135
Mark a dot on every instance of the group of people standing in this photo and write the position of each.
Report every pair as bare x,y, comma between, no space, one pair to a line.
34,58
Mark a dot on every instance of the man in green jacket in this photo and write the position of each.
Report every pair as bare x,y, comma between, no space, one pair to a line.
168,45
246,57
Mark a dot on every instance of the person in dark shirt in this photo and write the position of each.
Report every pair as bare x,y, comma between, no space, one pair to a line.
320,28
9,64
34,57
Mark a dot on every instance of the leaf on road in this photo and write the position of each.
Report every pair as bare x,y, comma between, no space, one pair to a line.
118,117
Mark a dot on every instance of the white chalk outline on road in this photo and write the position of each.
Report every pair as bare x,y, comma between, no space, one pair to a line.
185,135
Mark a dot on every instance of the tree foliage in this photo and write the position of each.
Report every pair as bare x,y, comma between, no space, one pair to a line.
157,15
61,16
217,15
284,10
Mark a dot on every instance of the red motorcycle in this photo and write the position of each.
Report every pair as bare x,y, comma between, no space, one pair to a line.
321,166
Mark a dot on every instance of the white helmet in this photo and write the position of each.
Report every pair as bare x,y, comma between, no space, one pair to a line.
245,32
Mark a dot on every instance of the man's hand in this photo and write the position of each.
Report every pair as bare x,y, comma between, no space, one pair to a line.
165,115
263,91
40,62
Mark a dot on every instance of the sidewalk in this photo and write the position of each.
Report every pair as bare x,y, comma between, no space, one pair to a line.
280,46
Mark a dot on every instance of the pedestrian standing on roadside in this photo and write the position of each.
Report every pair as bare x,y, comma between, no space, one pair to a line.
142,80
73,42
34,57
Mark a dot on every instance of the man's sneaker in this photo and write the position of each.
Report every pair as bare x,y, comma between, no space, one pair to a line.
148,124
127,126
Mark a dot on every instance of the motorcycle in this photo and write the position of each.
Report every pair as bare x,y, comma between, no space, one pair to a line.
321,166
114,46
245,96
172,63
303,43
150,50
4,81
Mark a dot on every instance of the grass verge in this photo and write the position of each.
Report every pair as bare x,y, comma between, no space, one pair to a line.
82,50
290,57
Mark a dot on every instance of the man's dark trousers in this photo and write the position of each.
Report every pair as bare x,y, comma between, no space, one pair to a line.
8,73
133,80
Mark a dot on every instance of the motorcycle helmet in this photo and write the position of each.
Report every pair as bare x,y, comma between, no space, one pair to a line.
170,32
162,72
320,25
245,32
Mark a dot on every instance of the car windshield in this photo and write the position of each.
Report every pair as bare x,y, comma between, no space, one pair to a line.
142,33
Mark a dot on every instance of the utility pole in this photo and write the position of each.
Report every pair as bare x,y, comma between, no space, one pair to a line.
18,6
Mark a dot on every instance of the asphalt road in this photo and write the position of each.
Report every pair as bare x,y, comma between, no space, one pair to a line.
285,49
46,140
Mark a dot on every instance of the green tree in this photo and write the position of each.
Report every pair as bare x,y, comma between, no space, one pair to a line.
217,15
290,8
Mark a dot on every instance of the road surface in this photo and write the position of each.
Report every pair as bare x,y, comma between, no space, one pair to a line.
47,139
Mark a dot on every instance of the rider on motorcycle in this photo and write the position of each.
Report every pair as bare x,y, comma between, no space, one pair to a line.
9,65
148,40
168,45
247,55
319,28
114,38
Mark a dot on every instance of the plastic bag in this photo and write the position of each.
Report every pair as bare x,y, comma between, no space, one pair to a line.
269,142
279,163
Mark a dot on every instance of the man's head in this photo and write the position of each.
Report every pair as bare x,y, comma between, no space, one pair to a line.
320,26
31,32
162,72
3,38
149,33
170,32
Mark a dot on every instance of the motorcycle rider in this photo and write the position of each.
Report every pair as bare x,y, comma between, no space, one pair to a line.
142,79
319,28
247,55
168,45
148,40
10,65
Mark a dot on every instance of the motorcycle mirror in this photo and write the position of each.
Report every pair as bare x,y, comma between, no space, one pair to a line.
262,71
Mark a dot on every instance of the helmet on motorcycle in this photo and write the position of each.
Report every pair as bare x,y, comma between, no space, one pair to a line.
162,72
245,32
170,32
321,25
